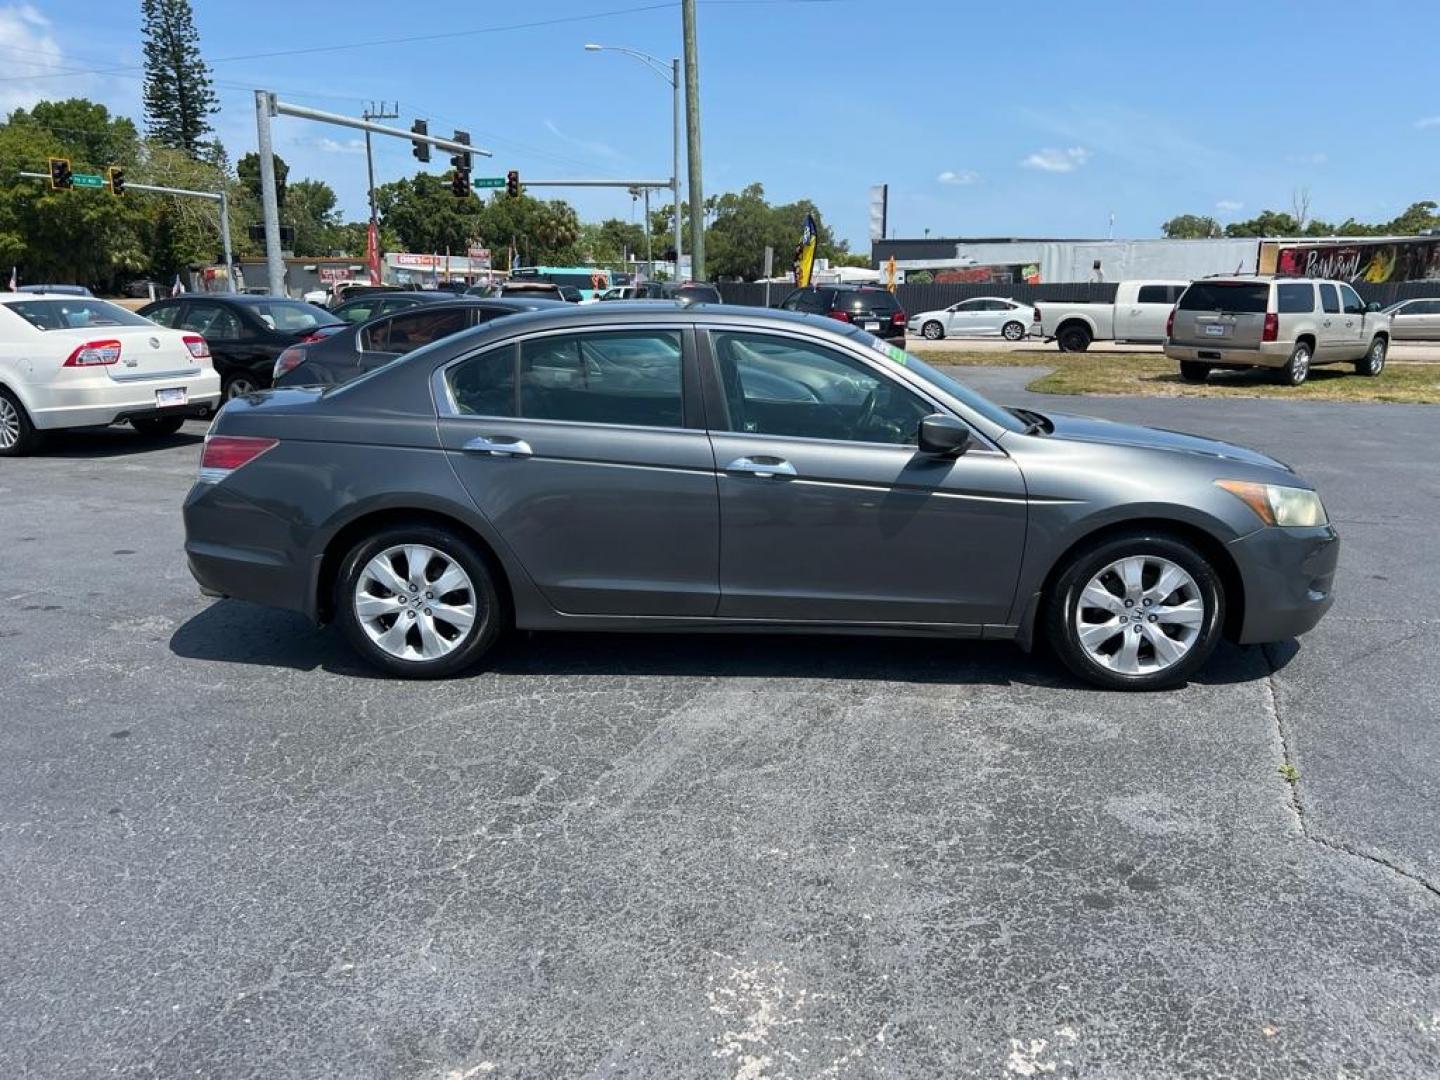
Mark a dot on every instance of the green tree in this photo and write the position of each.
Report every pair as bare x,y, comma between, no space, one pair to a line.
1417,219
543,232
1266,223
179,98
1191,227
424,216
310,209
744,224
248,170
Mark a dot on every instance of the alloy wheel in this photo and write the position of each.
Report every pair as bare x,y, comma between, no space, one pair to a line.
1377,357
1139,615
9,424
1013,331
239,387
415,602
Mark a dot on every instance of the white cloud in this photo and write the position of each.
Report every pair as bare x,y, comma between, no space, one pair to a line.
1428,121
1057,161
31,53
1229,206
964,176
339,146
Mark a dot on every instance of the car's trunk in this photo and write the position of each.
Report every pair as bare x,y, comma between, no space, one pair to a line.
1222,314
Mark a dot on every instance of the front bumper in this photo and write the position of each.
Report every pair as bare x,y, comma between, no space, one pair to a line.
1288,576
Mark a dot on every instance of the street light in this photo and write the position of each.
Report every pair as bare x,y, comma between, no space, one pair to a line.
670,74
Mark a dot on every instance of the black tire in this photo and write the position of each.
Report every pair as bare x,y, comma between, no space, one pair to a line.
1013,331
1073,338
1061,612
238,384
474,642
157,426
1193,371
1373,362
18,436
1297,368
932,331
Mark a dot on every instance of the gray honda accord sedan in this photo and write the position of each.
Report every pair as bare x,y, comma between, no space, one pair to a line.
705,468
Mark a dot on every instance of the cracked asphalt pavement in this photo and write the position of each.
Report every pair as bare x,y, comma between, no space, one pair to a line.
226,850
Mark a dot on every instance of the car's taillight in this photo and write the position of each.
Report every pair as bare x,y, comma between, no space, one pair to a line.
95,354
1272,328
897,319
223,454
288,361
198,346
1170,324
837,313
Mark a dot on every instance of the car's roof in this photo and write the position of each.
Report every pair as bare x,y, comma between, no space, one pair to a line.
651,312
13,297
235,298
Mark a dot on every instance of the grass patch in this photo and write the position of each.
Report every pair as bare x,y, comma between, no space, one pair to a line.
1152,375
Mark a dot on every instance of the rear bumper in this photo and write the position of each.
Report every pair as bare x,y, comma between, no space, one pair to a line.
1270,354
1289,577
96,404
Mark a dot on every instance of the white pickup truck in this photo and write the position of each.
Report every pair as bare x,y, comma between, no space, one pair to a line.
1137,315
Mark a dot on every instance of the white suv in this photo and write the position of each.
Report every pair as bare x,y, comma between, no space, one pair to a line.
1289,324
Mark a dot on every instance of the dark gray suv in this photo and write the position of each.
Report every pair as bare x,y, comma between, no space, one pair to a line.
640,467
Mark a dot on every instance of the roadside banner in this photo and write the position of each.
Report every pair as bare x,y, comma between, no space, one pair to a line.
805,253
890,273
372,252
176,289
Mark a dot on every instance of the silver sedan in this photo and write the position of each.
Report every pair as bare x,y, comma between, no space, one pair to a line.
1415,320
981,316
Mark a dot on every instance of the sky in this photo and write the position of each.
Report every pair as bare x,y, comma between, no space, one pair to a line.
983,119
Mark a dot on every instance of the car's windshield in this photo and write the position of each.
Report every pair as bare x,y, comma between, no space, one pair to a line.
292,315
77,314
954,388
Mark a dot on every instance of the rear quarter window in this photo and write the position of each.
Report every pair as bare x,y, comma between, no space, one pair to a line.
1153,294
1294,298
1239,297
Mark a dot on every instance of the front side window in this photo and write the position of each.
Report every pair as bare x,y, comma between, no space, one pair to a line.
627,377
1330,299
784,386
1351,299
1294,299
212,322
971,305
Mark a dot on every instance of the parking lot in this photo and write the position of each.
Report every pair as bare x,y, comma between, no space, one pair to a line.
227,849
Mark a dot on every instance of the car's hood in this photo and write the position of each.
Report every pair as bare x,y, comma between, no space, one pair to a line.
1093,430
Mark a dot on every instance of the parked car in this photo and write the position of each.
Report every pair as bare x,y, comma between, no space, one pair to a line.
57,290
143,287
1415,320
245,333
1138,314
68,361
658,467
351,353
373,305
869,307
570,294
1287,324
980,316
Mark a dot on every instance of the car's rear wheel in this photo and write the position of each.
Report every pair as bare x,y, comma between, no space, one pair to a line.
418,601
1013,331
1374,360
158,426
1137,611
932,331
1297,368
17,434
1192,371
1074,338
239,385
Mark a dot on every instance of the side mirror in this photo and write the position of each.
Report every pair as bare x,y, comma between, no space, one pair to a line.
943,436
1372,306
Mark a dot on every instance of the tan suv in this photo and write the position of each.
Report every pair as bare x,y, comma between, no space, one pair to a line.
1289,324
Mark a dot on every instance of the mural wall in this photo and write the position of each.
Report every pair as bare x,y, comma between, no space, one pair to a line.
1373,261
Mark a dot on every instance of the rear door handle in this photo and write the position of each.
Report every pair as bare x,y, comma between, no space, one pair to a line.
764,467
497,446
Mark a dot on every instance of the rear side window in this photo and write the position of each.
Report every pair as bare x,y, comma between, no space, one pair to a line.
484,384
1239,297
212,322
1330,299
1154,294
630,378
1295,299
165,315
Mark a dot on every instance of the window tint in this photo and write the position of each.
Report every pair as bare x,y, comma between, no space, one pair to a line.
1329,299
165,315
971,305
876,300
212,322
484,384
291,315
1293,298
1240,297
630,377
1421,307
1153,294
359,312
783,386
410,330
76,314
1351,299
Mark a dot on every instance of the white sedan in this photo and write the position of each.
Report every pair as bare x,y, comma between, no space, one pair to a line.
982,316
75,361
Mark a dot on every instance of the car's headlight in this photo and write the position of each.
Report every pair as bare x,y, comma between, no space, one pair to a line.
1275,504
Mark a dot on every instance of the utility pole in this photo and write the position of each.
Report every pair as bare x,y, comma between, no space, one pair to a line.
692,143
372,113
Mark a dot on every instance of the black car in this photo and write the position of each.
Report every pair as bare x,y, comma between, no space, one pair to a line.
245,333
348,355
867,306
373,305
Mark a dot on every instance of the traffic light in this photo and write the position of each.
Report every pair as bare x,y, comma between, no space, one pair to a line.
420,149
60,175
117,180
512,183
460,182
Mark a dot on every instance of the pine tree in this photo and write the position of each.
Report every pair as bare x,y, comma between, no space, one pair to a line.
179,98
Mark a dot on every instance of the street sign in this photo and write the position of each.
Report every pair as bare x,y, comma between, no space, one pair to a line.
478,252
85,179
488,181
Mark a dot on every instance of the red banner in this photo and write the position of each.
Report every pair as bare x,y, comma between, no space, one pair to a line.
372,252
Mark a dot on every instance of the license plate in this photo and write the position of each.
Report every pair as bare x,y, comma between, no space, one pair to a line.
1215,330
871,326
174,396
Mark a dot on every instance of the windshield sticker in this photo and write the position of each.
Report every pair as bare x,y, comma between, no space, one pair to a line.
890,352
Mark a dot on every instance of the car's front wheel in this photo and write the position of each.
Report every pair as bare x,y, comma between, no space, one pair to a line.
418,601
1374,360
1013,331
17,434
932,331
1137,611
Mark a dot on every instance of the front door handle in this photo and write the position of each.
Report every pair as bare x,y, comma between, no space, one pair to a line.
497,446
761,466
